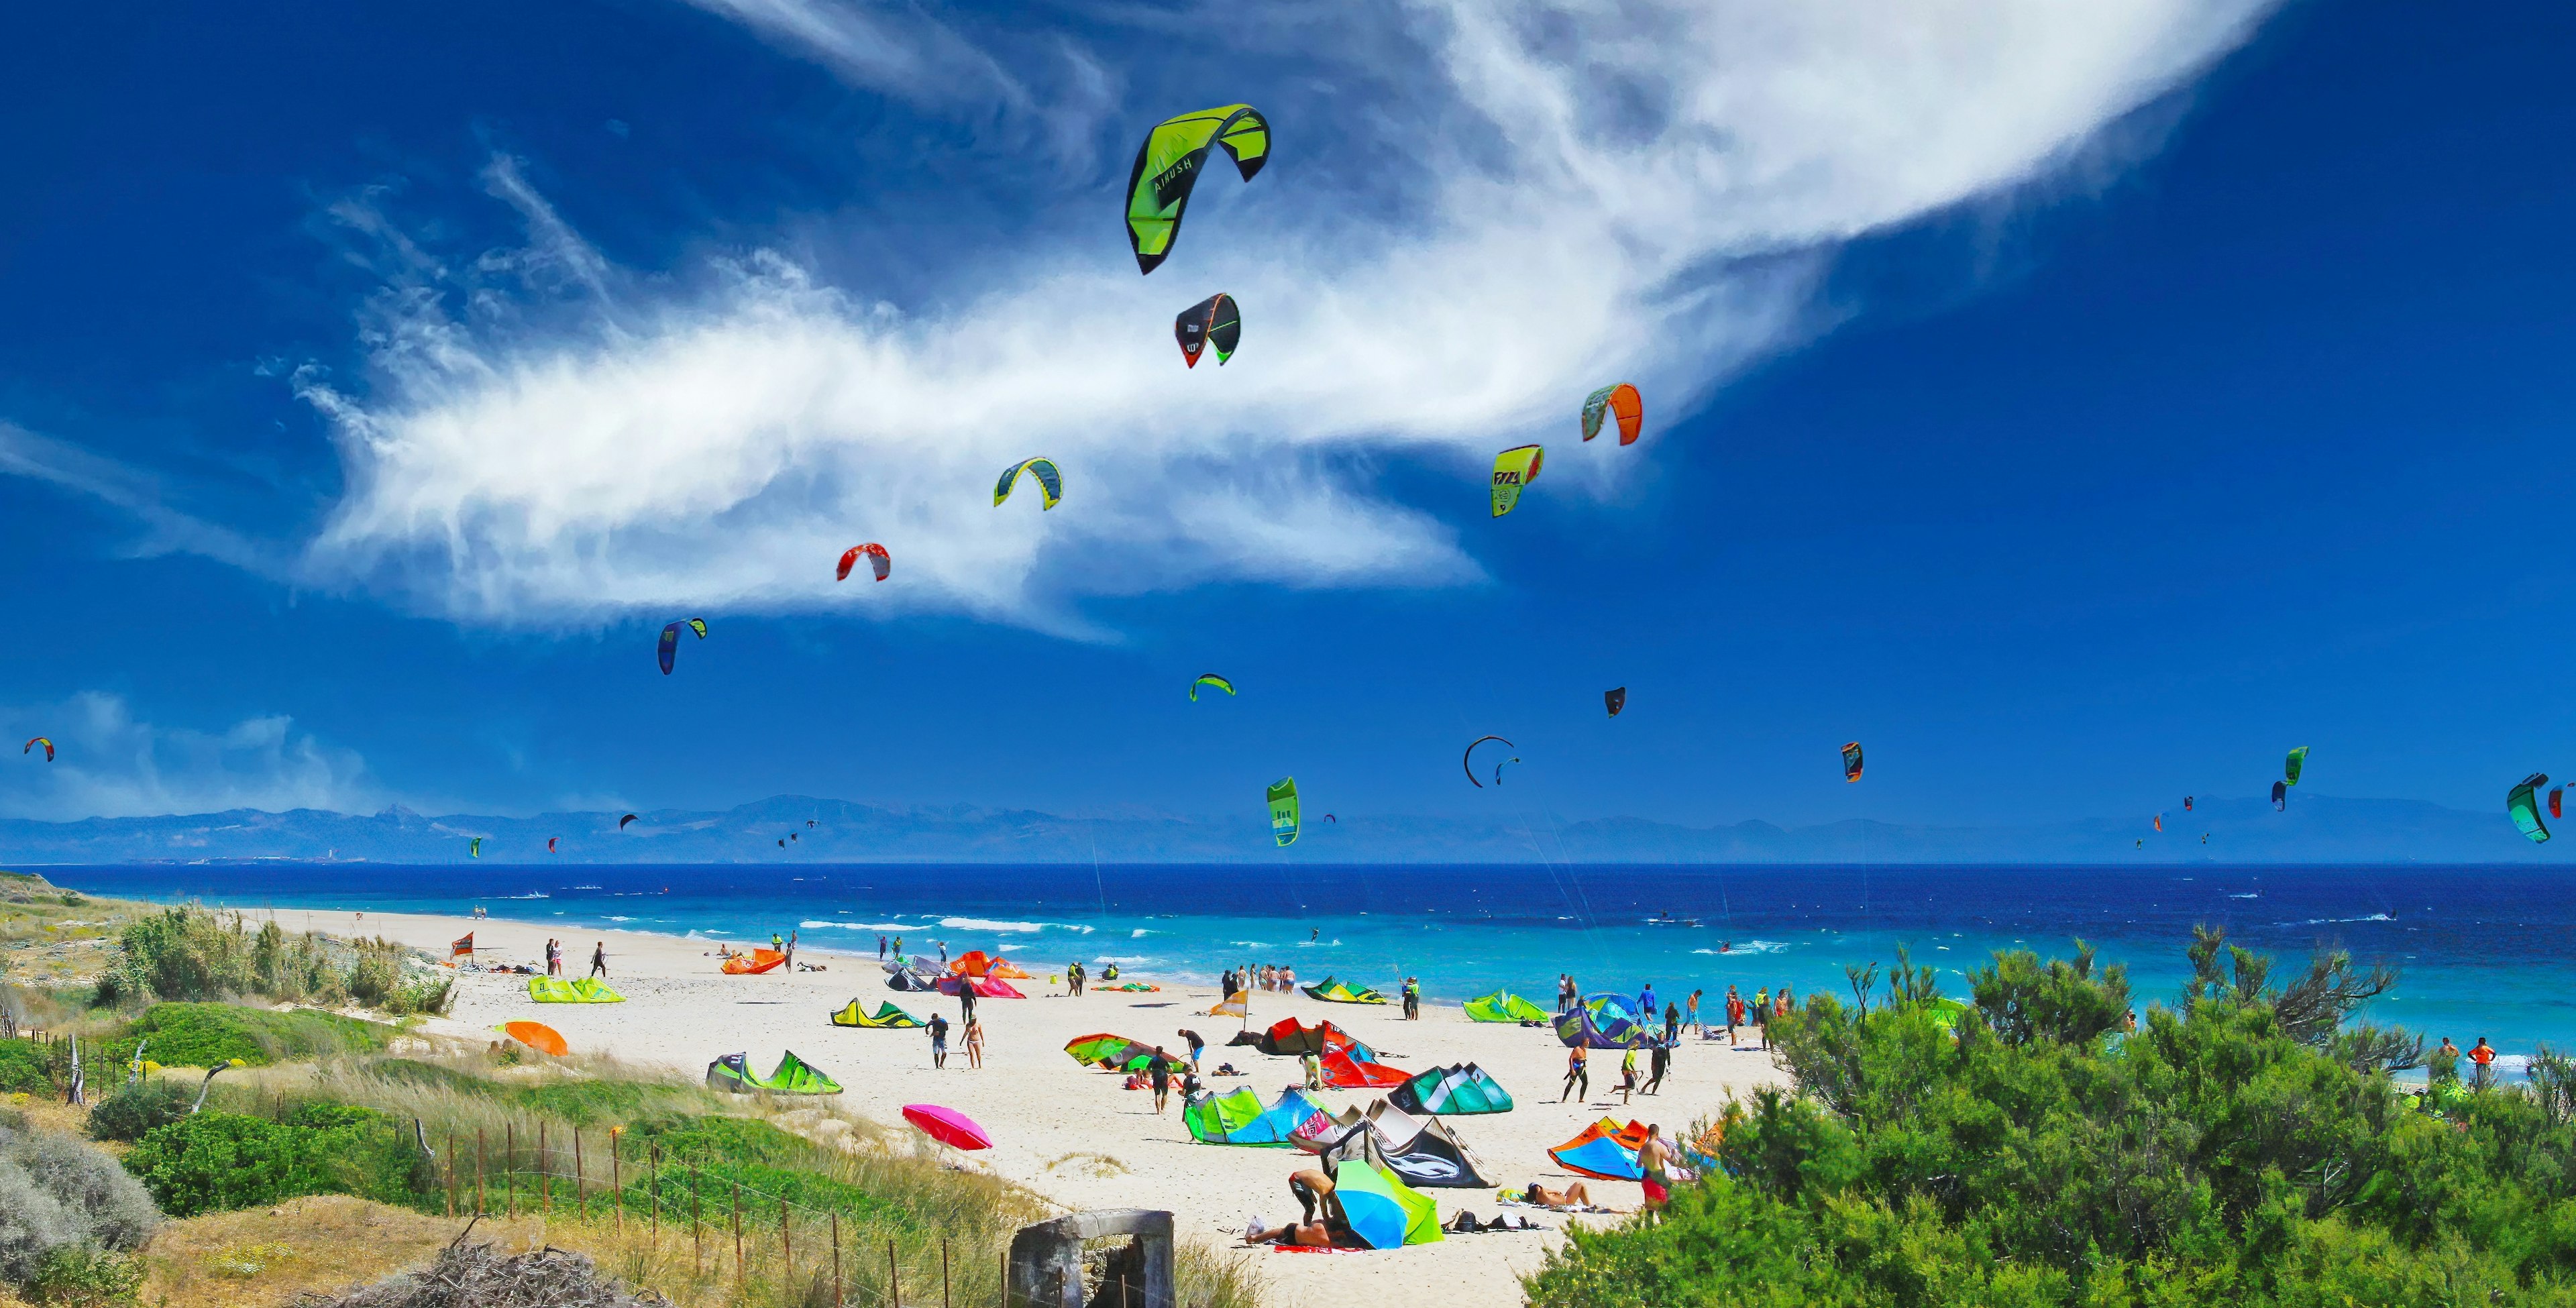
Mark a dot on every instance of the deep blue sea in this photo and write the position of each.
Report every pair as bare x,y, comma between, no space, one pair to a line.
2482,951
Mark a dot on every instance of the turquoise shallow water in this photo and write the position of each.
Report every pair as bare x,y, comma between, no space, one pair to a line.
2482,951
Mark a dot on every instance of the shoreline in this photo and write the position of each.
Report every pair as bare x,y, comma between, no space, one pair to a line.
1068,1132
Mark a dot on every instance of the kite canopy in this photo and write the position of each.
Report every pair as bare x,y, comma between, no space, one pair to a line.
1168,165
1460,1089
1622,401
877,557
670,646
1851,761
1336,992
538,1036
1602,1022
987,987
1284,811
1468,760
947,1126
973,962
621,822
1514,469
1108,1052
2519,805
1382,1209
1615,700
1050,481
39,740
1432,1157
1238,1118
1238,1004
793,1076
2292,766
1212,321
886,1018
1343,1072
556,990
2554,793
1209,679
474,847
761,960
1605,1150
1504,1006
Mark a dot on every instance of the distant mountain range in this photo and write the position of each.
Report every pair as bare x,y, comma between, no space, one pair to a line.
2315,829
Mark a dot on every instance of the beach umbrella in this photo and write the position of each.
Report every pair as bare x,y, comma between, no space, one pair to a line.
536,1035
1383,1211
947,1126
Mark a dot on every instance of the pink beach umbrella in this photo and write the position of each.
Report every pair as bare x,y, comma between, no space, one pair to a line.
947,1126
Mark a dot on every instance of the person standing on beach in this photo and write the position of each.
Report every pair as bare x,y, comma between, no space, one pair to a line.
1673,1022
938,1040
965,999
898,947
1159,1071
1762,1015
1412,999
1658,1062
1646,1005
881,946
1690,1016
1734,1013
1578,1070
1655,1159
974,1043
1073,973
943,951
2484,1055
599,959
1627,1076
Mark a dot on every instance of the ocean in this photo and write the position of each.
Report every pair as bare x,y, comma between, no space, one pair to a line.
2481,951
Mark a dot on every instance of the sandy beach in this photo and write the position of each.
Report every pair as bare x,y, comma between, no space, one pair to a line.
1069,1132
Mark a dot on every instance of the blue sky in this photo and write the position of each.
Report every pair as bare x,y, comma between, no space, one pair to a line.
2078,408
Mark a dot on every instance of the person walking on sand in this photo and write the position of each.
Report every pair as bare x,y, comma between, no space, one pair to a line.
1672,1022
1646,1005
1627,1076
1655,1159
1160,1073
1659,1060
974,1043
599,959
965,999
2484,1055
938,1040
943,951
1578,1070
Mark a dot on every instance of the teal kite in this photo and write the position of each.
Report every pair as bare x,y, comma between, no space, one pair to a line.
1050,481
2519,805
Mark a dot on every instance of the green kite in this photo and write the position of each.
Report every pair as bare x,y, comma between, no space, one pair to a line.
1283,811
1168,165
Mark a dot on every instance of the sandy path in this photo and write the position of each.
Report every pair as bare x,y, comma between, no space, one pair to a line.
1052,1119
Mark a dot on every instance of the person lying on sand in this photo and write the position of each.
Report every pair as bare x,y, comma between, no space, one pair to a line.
1311,1235
1572,1196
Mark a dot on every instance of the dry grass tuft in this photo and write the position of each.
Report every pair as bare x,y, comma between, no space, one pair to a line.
262,1257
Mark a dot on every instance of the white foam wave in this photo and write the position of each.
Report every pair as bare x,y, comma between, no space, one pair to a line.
988,924
2250,894
1252,944
2325,921
1749,947
616,918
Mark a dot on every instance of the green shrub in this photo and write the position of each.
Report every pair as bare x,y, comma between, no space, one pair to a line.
183,953
132,1111
23,1068
86,1276
214,1162
202,1035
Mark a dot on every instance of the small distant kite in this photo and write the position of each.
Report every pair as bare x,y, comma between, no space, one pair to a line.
1468,761
2186,803
1214,321
2160,821
2518,805
2292,766
1050,481
2554,793
475,849
1168,165
1615,700
550,843
2280,796
40,740
1283,811
1624,403
1851,761
877,557
1334,820
794,834
809,824
1514,469
670,647
1209,679
782,844
621,822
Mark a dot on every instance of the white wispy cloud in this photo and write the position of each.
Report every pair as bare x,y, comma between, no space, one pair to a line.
1585,192
110,764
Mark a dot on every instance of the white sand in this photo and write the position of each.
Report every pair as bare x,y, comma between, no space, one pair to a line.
1051,1118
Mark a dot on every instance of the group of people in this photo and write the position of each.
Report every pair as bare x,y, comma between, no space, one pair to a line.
1321,1223
1275,978
555,958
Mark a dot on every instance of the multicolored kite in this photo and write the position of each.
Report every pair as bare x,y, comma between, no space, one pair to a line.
1624,403
40,740
877,559
1050,481
1851,761
1513,469
1168,165
670,648
2518,805
2291,767
1212,321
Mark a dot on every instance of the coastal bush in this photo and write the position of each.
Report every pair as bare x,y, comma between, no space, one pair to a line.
190,953
131,1111
217,1161
205,1034
2246,1146
86,1276
24,1068
60,1193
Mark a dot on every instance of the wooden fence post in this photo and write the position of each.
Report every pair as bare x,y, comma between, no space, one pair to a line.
836,1258
617,1179
451,1173
510,1168
786,1249
545,1172
653,1189
480,1206
894,1277
580,1194
740,1276
945,1298
697,1244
